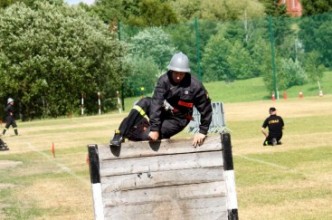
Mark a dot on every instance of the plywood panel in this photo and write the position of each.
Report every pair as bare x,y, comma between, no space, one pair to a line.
160,163
165,180
162,194
162,179
194,209
167,146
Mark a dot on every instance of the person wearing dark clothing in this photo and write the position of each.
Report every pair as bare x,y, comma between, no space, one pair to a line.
10,120
170,109
3,145
275,125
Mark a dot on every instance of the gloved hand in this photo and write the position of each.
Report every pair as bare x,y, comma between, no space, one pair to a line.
198,139
154,135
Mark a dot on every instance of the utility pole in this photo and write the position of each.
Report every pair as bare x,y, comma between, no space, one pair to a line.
198,46
122,83
273,58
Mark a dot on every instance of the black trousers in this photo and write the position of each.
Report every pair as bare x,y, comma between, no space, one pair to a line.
2,143
136,126
268,140
10,121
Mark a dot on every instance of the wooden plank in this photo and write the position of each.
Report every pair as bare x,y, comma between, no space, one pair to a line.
160,163
162,194
195,209
167,146
166,180
161,179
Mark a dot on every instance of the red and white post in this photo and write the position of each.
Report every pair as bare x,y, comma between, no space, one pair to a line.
273,96
300,94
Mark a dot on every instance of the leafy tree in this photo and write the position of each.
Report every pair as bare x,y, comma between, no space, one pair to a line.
214,62
185,39
217,9
143,13
108,11
143,73
278,20
274,8
186,9
315,35
314,69
290,73
261,58
191,38
314,7
240,61
154,43
6,3
50,54
152,13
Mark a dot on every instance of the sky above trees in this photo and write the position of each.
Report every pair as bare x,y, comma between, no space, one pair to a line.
74,2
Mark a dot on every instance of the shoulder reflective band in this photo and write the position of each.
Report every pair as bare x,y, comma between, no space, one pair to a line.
139,109
186,104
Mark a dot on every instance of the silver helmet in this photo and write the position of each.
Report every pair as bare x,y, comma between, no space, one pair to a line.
179,63
9,100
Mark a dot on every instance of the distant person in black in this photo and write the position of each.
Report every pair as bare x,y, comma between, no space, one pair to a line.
275,125
10,120
3,145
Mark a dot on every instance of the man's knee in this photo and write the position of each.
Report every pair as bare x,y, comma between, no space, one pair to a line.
143,106
144,102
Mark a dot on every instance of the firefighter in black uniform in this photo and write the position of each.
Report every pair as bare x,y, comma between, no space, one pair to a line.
10,120
3,145
170,109
275,125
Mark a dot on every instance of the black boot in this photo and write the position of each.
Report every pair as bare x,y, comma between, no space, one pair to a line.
117,139
135,115
3,146
274,141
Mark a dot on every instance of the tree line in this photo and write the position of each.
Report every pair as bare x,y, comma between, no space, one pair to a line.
53,54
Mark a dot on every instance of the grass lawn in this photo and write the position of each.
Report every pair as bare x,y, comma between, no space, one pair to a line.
291,181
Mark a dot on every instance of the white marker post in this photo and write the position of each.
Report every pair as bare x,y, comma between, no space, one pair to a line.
82,104
229,176
95,181
99,104
119,101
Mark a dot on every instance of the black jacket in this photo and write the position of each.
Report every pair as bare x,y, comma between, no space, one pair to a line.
9,110
275,125
183,97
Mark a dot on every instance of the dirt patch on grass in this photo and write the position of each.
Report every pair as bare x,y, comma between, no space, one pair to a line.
6,186
65,198
286,108
7,164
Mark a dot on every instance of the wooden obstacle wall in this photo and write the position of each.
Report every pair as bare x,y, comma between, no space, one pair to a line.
161,180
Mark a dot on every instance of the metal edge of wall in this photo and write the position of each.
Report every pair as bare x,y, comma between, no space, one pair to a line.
231,199
95,181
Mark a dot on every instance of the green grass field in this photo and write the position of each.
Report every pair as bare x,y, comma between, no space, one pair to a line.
291,181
